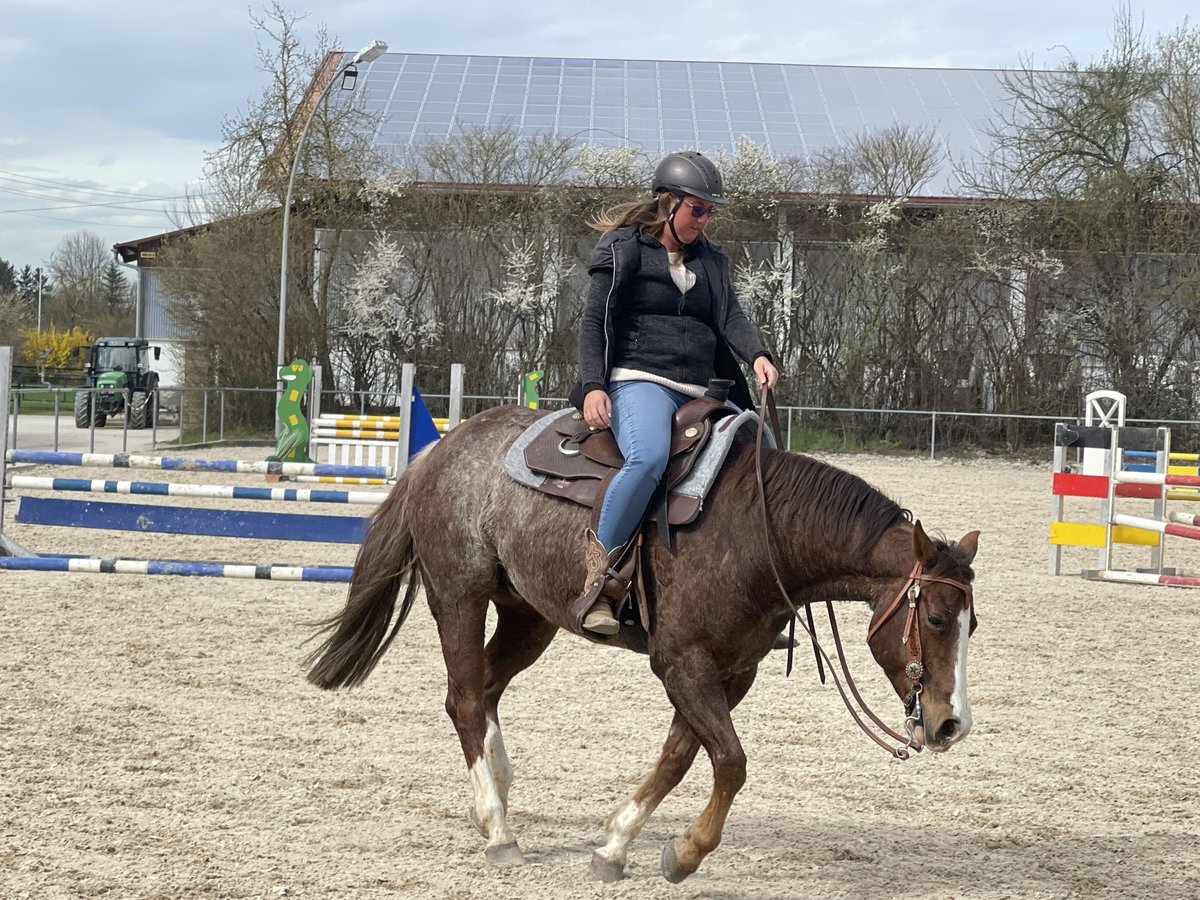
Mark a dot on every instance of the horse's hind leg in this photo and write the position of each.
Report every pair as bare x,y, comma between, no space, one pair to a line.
521,637
461,626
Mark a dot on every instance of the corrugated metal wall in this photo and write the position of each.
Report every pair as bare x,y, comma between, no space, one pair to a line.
158,322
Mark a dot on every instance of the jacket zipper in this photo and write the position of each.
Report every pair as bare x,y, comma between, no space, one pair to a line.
607,303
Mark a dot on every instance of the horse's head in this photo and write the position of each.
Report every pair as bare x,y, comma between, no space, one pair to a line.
919,637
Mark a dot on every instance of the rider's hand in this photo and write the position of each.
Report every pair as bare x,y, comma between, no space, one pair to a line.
765,372
597,409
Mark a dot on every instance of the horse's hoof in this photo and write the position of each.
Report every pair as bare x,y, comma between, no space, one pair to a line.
475,821
605,869
505,855
672,870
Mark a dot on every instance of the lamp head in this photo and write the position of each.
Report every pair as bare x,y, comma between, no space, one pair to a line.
371,52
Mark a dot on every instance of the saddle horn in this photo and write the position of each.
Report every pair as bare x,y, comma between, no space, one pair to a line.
718,388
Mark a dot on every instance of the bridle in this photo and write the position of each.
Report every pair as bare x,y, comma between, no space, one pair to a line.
910,637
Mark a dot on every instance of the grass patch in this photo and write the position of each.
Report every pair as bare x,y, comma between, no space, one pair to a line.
42,402
816,440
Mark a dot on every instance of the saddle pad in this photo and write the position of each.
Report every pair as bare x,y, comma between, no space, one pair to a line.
691,490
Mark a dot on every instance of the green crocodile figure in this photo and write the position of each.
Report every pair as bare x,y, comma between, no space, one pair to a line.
292,445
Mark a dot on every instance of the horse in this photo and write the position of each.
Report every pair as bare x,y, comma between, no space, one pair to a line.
456,523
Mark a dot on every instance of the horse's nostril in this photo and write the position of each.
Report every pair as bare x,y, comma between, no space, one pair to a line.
948,732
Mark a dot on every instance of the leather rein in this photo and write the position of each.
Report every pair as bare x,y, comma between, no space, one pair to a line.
914,668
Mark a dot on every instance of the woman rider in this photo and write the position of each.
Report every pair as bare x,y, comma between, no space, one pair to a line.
660,320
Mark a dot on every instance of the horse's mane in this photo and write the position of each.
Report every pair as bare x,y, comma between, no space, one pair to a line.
818,497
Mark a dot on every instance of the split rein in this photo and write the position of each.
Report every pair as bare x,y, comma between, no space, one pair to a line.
914,669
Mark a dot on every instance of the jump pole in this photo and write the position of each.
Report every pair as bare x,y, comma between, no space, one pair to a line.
172,489
106,566
1125,577
1191,532
1159,478
188,464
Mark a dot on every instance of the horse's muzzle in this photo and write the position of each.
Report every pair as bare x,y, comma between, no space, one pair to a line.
949,733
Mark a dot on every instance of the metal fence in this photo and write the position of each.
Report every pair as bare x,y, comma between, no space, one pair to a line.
187,417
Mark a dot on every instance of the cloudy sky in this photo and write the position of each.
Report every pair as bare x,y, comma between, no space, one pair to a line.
109,110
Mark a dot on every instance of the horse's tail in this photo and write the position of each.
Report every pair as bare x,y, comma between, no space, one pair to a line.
358,636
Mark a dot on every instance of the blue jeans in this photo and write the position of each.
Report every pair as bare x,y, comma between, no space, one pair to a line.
641,423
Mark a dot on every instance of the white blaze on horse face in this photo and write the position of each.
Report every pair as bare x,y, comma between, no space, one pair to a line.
960,703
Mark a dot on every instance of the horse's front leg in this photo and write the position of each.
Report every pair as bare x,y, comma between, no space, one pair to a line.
679,750
608,862
706,704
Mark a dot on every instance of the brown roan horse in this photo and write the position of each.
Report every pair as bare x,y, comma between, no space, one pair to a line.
458,524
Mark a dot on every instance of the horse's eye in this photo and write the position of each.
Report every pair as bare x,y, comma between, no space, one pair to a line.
936,622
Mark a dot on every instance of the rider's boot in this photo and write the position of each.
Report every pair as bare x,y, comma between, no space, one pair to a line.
605,585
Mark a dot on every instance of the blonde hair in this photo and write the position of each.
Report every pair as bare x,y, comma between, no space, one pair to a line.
649,215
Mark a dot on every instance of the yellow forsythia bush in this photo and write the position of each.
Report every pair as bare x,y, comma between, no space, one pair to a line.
60,345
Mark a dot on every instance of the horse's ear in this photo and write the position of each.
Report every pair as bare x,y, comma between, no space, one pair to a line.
922,545
969,545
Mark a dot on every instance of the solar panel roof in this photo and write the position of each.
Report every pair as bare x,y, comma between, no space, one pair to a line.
661,105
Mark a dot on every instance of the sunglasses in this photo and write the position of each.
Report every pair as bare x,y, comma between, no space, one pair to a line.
701,212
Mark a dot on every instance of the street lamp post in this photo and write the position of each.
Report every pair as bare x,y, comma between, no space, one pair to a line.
372,51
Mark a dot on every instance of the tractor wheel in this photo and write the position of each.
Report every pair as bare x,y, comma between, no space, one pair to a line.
84,411
141,409
81,409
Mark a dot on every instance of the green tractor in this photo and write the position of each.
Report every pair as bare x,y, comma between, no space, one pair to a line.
117,370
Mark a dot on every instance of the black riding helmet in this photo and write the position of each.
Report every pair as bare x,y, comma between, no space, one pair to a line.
689,172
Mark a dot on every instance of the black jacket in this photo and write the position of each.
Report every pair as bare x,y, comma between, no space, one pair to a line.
627,323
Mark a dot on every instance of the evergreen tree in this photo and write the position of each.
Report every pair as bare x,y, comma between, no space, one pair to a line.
115,290
27,285
8,277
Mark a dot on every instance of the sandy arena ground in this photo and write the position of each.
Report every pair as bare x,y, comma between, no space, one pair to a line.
158,740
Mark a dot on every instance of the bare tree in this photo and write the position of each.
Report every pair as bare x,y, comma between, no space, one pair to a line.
894,161
78,266
494,156
14,316
222,275
1105,155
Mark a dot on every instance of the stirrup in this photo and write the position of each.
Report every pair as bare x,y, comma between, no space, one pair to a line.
608,584
600,619
784,641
